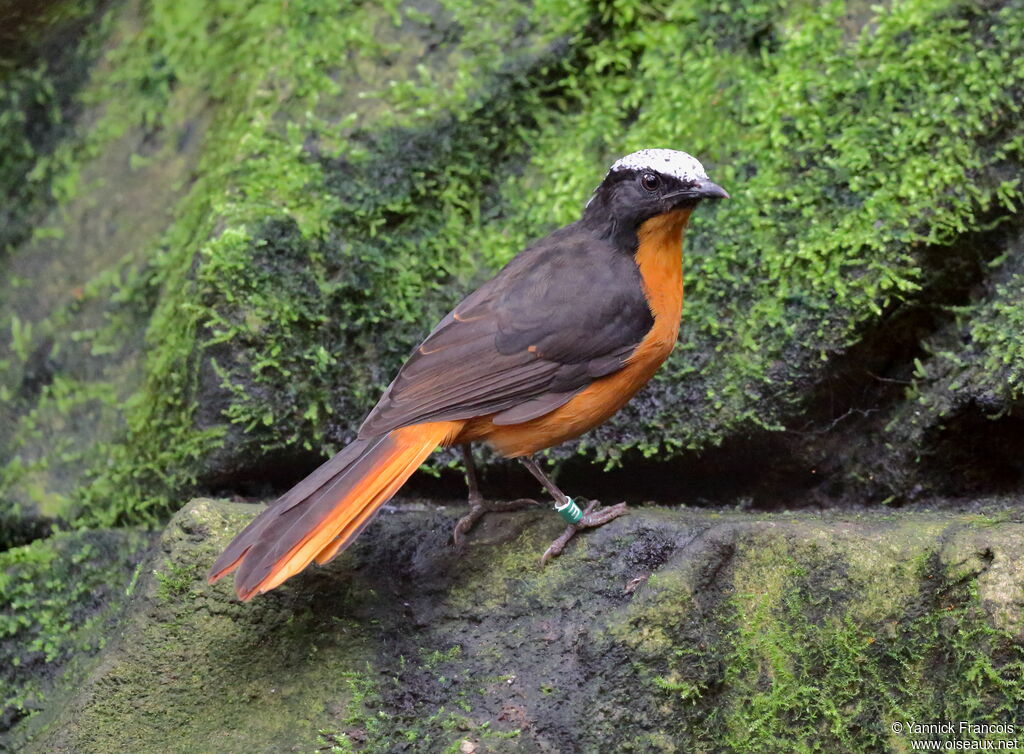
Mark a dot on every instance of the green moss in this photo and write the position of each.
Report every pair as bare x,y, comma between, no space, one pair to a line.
838,181
980,355
45,56
58,597
187,641
175,582
798,651
363,166
966,386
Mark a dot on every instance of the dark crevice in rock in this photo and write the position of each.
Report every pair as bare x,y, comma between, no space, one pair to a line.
39,371
17,529
840,436
260,478
974,454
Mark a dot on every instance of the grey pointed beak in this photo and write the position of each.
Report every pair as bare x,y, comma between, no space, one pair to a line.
708,190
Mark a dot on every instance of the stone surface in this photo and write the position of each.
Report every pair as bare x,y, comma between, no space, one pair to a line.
59,597
667,630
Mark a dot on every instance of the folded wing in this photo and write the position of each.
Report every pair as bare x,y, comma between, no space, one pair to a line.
559,316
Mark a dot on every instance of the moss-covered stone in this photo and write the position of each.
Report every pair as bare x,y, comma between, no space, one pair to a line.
46,53
59,598
667,630
966,389
77,295
337,175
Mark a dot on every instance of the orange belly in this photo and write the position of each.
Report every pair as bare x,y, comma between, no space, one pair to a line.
660,261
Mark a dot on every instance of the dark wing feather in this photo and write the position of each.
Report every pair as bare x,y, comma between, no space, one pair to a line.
564,312
535,407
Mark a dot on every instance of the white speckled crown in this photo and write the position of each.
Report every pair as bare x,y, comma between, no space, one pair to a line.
665,161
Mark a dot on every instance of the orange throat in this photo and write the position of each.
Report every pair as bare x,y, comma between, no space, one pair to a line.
659,257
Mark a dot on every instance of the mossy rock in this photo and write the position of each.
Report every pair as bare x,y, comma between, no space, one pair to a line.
667,630
59,598
308,187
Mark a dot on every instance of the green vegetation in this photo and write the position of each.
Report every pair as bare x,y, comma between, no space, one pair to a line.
796,650
980,355
58,598
175,583
841,181
361,166
833,678
45,54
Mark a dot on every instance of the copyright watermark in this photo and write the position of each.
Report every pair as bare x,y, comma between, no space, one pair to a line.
958,736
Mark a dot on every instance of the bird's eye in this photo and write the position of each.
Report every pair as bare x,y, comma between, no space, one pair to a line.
650,181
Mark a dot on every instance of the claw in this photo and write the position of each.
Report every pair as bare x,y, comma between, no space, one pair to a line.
478,508
591,520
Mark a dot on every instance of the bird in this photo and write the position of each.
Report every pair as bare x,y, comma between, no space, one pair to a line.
550,347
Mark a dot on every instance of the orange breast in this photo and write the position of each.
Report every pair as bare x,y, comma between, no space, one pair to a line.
660,261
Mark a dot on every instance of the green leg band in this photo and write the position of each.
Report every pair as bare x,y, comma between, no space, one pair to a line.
569,511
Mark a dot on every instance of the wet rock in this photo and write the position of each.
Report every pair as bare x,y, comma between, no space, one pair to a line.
743,631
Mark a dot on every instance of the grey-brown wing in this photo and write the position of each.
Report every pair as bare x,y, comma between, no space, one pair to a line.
561,314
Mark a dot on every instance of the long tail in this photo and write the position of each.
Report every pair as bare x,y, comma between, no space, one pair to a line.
324,513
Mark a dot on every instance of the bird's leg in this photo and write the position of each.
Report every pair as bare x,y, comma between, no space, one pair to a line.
475,498
568,510
477,506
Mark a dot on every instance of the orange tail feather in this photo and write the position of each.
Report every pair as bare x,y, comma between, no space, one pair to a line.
325,512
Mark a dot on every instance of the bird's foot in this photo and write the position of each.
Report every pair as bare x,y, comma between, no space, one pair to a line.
478,507
591,520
